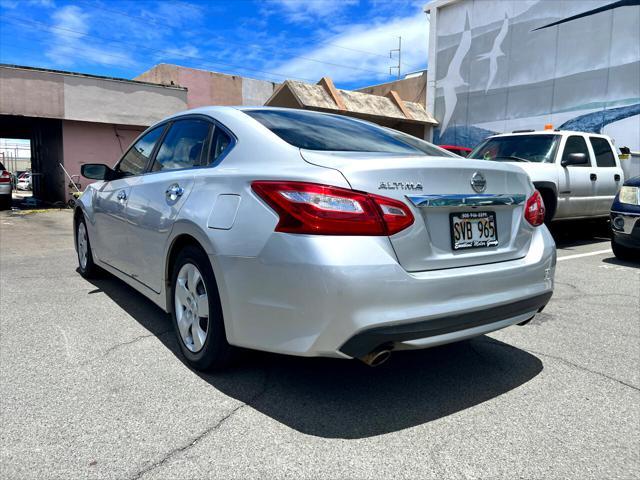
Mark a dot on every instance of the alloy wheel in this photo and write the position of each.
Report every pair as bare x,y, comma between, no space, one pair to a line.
191,307
83,245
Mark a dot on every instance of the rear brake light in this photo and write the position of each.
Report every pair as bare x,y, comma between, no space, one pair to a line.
324,210
5,176
534,209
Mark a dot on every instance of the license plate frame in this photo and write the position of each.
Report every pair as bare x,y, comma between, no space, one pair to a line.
472,215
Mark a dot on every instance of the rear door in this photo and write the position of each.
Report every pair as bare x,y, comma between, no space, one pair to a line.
610,175
112,243
157,199
576,183
441,194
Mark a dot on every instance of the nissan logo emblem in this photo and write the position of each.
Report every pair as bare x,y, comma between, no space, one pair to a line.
478,182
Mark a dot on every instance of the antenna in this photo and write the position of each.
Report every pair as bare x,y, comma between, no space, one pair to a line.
399,50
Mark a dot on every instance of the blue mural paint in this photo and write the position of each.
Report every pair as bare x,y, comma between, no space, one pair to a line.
594,122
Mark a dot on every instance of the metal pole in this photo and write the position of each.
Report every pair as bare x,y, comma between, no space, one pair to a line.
399,55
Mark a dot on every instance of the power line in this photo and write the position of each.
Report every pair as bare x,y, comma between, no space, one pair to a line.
46,27
244,44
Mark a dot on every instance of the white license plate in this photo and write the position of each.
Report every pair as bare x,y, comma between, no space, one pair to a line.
473,230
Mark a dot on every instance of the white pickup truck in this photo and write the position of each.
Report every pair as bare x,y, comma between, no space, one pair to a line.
578,174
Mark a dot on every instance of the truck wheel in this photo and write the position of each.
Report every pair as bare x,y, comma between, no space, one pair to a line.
624,253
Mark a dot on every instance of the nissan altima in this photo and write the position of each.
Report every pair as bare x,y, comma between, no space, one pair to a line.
313,234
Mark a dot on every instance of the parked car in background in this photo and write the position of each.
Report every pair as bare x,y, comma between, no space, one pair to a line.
578,174
625,221
24,181
5,188
313,234
460,151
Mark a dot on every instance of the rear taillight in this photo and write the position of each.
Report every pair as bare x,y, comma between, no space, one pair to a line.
534,209
325,210
5,177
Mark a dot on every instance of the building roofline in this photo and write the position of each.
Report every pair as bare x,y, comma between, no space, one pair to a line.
88,75
392,81
435,4
210,71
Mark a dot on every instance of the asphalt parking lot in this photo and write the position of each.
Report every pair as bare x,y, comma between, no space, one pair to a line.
92,385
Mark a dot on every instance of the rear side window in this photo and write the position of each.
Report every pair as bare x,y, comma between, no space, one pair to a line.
135,161
183,145
576,144
602,151
317,131
219,144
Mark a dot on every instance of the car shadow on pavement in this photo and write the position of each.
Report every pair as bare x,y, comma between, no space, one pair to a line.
622,263
334,398
574,233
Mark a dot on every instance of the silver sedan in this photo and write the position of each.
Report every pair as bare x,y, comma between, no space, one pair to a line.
313,234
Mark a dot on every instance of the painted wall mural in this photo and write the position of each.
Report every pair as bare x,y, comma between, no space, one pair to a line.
508,65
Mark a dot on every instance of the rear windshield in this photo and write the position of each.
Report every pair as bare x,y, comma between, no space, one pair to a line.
318,131
2,166
518,148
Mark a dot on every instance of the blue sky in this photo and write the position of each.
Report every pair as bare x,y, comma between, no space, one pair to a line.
349,40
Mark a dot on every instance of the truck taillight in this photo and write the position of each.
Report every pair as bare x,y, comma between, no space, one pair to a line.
325,210
534,209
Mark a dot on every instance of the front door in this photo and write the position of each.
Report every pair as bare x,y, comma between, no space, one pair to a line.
576,183
112,243
156,201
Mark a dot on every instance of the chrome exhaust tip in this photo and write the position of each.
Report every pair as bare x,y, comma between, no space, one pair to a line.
377,357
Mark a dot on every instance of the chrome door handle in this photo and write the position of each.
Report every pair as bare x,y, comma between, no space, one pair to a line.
122,195
174,191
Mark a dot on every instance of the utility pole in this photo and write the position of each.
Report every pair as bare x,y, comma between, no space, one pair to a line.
399,50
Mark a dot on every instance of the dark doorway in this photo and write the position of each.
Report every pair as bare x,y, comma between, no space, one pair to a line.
45,137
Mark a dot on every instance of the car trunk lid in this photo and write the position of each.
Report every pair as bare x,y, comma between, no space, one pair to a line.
437,188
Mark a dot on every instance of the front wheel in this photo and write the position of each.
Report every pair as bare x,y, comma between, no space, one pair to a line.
197,313
624,253
87,268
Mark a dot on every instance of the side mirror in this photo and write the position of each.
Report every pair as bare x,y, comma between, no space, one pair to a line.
97,171
575,159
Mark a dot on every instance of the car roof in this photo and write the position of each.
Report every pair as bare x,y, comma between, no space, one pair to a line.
548,132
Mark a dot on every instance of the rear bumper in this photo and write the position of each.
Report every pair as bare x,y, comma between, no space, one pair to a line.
5,189
319,296
364,342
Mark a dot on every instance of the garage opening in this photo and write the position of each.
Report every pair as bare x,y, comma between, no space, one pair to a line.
15,157
35,145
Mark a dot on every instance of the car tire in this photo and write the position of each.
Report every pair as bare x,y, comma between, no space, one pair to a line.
624,253
202,338
5,202
86,265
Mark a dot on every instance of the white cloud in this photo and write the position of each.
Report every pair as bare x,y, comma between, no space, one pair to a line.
377,38
303,11
71,42
181,53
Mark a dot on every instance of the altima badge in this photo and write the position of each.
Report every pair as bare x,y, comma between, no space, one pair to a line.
400,186
478,182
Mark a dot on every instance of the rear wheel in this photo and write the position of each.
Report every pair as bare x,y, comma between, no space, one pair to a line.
196,311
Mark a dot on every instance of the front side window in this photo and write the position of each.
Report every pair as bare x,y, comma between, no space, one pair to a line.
135,161
183,145
603,152
318,131
576,144
518,148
